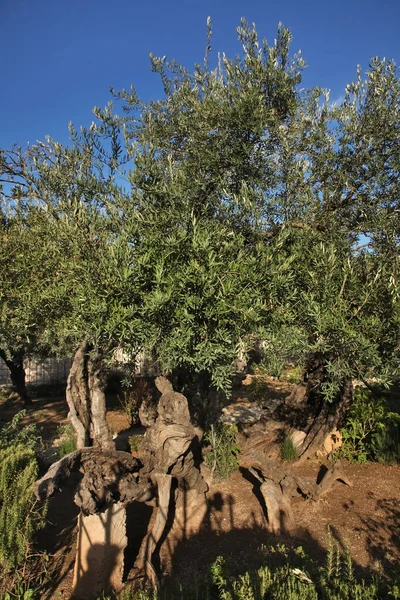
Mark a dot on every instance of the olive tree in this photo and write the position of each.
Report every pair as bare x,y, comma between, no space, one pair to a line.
25,270
202,160
237,207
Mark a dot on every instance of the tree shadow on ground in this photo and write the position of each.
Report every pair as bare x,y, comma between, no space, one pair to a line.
58,538
186,559
187,551
138,515
383,534
102,561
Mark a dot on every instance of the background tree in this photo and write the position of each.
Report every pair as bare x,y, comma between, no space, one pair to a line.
81,269
25,270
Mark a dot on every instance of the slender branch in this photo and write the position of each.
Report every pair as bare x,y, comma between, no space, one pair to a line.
13,182
343,285
362,246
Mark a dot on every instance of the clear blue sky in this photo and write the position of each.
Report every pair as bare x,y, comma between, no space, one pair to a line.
59,57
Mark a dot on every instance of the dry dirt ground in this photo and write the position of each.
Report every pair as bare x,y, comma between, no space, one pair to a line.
364,518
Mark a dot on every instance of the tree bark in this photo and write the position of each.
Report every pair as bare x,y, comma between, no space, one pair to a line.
15,364
328,418
77,395
86,400
109,476
151,540
279,484
100,431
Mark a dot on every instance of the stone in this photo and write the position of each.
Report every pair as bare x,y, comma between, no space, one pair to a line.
298,438
333,441
242,412
99,562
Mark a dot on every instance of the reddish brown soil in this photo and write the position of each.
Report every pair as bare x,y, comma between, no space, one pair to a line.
365,518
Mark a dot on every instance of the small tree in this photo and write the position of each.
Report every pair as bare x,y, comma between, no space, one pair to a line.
23,271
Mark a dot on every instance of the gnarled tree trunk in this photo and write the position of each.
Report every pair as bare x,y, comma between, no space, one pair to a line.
280,484
329,416
15,364
170,451
86,399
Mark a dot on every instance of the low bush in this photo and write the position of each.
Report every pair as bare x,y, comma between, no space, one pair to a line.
67,436
298,578
288,451
132,397
223,451
20,514
14,433
371,430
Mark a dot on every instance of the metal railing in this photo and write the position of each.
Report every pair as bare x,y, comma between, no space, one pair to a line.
39,371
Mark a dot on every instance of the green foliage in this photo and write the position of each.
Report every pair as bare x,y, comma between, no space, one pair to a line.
67,436
132,397
295,374
222,455
252,209
15,433
19,517
280,348
387,441
20,593
335,581
371,431
394,592
288,451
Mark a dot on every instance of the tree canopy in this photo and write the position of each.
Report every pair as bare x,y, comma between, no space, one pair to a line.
240,207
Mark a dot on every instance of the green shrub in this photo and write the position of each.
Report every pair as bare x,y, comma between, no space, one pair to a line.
337,579
386,443
288,451
67,436
222,457
370,431
298,578
295,374
20,515
334,581
15,433
18,472
132,398
23,573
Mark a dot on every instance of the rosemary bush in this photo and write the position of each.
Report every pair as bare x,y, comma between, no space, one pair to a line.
222,457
